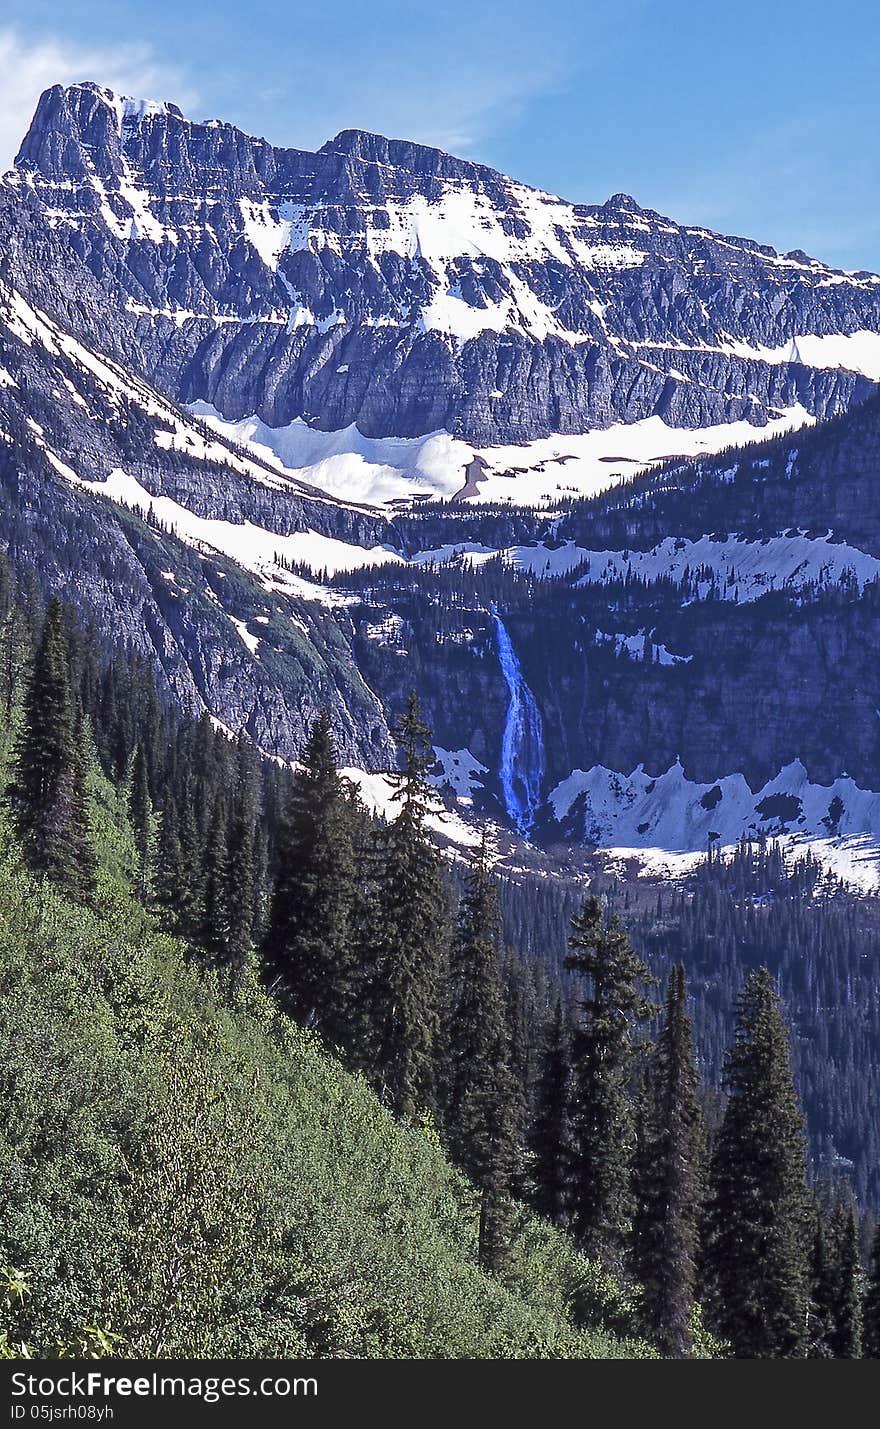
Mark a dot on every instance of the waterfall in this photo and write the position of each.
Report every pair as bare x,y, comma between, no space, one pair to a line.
522,745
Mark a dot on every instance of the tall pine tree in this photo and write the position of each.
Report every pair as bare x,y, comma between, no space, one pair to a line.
551,1128
603,1127
140,807
669,1180
47,791
756,1235
846,1333
871,1309
411,939
479,1116
308,946
823,1289
244,895
216,912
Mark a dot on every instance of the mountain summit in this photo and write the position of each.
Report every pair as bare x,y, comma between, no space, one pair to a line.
385,283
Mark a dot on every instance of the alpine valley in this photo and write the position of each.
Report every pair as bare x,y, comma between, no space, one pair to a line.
308,431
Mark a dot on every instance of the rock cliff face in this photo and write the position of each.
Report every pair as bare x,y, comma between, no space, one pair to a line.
115,499
383,283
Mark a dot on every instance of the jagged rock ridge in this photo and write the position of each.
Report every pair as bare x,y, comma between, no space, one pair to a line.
388,284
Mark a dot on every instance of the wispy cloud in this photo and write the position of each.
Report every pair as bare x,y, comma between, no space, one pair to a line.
454,76
29,66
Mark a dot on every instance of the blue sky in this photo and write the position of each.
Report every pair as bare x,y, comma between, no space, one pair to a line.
758,117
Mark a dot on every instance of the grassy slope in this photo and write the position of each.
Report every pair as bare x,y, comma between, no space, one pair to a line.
200,1177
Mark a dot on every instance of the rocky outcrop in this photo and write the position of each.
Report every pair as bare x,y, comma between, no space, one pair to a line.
259,649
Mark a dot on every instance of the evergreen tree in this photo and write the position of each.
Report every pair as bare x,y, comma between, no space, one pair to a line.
47,792
192,870
603,1113
551,1129
871,1309
169,859
756,1225
669,1180
479,1115
524,1019
308,945
846,1333
216,912
823,1291
16,641
412,937
243,894
140,808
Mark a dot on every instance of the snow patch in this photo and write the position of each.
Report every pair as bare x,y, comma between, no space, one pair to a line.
460,772
737,569
672,817
252,642
390,470
267,233
378,792
264,553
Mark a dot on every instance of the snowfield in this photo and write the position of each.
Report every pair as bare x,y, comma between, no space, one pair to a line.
741,570
668,821
382,471
260,551
378,793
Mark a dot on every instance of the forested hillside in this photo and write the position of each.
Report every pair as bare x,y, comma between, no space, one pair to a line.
274,1085
185,1171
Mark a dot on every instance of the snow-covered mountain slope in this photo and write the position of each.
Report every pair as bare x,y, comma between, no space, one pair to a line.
393,472
669,821
714,622
273,545
388,285
228,627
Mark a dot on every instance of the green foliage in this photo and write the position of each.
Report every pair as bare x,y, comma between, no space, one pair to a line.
194,1173
756,1223
551,1127
603,1119
410,937
47,790
669,1178
871,1309
479,1106
846,1334
309,944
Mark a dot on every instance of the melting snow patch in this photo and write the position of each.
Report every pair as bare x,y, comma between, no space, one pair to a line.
671,816
263,552
251,641
459,771
740,570
378,794
267,234
381,470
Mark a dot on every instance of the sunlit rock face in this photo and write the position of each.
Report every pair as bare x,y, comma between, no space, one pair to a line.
387,284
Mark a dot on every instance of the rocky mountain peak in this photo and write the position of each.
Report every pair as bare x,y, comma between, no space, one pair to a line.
386,283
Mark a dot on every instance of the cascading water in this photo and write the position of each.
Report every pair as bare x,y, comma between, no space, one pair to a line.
522,745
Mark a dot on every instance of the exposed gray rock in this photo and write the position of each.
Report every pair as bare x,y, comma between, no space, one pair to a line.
392,285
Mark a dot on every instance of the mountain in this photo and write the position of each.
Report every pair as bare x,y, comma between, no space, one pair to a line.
656,668
387,285
212,604
642,618
686,660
